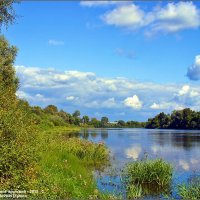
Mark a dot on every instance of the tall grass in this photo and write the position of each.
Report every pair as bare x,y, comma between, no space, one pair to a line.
147,177
190,191
66,165
94,154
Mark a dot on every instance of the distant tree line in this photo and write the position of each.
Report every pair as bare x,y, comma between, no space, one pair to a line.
51,116
178,119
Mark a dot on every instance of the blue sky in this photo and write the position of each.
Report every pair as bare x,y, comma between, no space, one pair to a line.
121,59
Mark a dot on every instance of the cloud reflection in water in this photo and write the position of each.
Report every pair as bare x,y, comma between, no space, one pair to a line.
133,152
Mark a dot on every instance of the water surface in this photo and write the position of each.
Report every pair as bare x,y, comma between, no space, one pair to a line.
179,147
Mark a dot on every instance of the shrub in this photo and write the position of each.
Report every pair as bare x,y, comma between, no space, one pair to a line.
17,130
17,148
56,120
147,177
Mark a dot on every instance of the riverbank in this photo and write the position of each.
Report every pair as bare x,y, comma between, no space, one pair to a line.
65,165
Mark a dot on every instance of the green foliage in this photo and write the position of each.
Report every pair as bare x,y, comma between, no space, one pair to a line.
134,191
191,191
50,116
121,123
85,119
104,121
17,148
179,119
8,80
57,120
95,154
135,124
76,114
147,177
17,130
66,165
65,116
7,13
95,122
51,109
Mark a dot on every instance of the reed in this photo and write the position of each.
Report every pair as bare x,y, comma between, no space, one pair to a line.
190,191
147,177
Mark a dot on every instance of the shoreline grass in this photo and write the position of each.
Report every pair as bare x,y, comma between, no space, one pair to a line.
66,165
147,177
191,190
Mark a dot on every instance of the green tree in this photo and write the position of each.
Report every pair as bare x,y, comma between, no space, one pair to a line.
77,121
76,114
8,80
121,123
179,119
104,121
65,116
95,122
51,109
17,130
7,13
71,119
37,110
85,119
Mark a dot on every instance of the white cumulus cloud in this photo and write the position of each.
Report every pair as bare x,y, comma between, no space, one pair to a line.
71,98
168,19
176,16
171,105
184,90
89,92
133,102
128,16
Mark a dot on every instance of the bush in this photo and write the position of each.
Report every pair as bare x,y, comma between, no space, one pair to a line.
147,177
17,130
56,120
17,148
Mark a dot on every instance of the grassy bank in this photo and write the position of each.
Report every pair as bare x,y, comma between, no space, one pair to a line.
66,164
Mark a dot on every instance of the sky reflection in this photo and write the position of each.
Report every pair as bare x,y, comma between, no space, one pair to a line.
181,148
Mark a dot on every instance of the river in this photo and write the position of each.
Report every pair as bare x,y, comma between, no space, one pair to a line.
179,147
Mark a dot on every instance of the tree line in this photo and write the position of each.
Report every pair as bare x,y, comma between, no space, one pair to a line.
178,119
52,116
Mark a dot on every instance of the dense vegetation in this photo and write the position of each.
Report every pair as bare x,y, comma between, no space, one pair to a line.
50,116
147,177
179,119
66,164
17,131
190,191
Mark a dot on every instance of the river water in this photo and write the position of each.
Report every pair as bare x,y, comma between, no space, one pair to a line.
179,147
